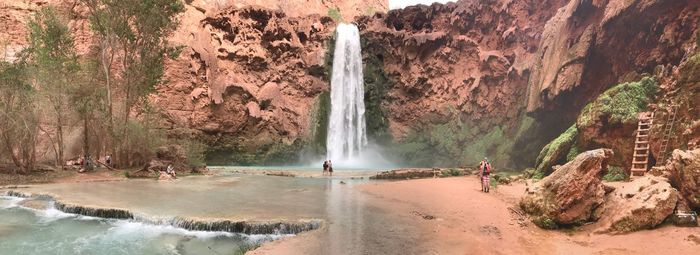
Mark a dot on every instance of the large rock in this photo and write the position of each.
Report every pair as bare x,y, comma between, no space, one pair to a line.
572,194
641,204
684,173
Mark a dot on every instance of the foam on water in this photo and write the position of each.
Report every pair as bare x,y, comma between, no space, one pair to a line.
10,201
78,234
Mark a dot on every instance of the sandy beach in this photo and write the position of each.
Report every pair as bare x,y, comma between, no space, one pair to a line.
452,216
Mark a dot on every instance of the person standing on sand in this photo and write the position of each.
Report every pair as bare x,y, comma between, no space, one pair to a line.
484,173
325,167
330,168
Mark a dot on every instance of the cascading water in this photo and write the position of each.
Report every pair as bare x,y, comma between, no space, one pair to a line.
346,128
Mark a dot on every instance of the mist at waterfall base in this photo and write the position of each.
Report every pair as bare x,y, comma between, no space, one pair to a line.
346,144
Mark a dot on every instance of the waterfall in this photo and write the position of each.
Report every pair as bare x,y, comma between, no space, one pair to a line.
346,128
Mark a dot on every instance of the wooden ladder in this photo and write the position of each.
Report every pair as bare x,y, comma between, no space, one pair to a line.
640,158
668,133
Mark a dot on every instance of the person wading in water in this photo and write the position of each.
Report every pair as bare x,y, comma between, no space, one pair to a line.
485,172
325,167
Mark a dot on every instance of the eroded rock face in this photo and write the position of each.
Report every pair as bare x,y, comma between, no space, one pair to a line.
470,57
684,173
249,76
573,193
589,45
641,204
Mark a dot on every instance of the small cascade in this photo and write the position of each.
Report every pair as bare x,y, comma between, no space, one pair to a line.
107,213
247,227
346,128
236,227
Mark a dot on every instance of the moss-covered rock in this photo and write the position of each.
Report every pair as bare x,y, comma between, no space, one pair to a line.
619,104
607,122
611,120
556,151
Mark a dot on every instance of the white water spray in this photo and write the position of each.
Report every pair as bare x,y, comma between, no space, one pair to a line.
346,128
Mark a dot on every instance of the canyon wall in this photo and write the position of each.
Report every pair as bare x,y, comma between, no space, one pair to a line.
494,65
445,84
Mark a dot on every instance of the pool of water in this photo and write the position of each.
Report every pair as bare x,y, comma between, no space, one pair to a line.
45,230
352,222
222,196
300,171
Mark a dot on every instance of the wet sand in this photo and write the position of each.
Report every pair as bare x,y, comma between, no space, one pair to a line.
452,216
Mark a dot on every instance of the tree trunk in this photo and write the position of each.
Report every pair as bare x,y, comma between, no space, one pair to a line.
86,135
59,137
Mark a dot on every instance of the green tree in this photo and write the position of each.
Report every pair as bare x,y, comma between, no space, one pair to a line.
54,63
19,126
136,32
89,102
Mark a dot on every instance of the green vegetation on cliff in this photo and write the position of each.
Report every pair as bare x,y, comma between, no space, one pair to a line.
556,150
273,153
376,86
620,103
617,105
454,143
319,123
334,13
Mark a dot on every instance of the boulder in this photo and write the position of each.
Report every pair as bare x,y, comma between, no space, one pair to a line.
641,204
572,194
683,169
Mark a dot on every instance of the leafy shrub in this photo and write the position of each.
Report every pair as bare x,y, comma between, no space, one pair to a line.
615,174
545,222
501,178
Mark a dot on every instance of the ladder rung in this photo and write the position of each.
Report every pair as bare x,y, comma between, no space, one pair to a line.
642,142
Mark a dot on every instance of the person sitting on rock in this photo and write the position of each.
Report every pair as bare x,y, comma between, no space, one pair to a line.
108,160
170,170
